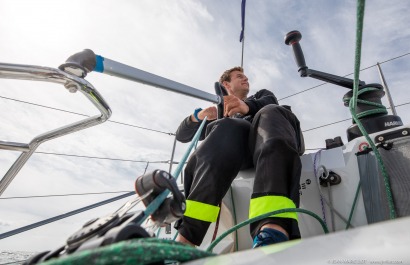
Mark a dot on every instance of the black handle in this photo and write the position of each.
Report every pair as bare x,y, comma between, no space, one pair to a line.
172,208
80,64
221,92
292,39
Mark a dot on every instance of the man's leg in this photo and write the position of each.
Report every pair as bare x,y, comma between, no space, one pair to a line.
209,174
276,142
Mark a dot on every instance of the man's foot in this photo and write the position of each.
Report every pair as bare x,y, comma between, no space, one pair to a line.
268,236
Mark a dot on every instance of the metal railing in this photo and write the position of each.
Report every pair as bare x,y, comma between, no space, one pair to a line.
70,82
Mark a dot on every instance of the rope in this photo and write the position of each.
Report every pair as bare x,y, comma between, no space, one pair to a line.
143,250
353,104
234,219
175,236
136,251
316,176
332,213
217,223
378,108
353,206
348,119
263,216
332,209
154,205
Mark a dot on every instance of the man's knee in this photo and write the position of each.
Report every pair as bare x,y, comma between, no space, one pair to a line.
228,125
273,110
281,123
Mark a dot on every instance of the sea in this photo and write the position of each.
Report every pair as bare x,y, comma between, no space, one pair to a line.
14,257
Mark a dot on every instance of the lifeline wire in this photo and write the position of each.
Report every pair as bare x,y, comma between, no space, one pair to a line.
76,113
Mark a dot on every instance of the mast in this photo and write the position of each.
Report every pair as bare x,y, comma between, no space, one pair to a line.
242,36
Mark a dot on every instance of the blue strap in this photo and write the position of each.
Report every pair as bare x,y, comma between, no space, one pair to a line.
196,114
99,67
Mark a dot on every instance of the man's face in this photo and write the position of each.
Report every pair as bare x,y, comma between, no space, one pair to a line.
239,85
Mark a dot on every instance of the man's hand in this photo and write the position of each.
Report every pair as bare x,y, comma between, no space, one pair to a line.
210,112
233,105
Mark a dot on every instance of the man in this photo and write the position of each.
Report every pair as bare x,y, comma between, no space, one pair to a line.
257,132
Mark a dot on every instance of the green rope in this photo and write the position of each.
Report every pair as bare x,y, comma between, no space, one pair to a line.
380,108
159,231
175,236
353,105
136,251
263,216
358,51
234,220
353,206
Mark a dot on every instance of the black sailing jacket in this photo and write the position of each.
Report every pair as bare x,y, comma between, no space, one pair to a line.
188,128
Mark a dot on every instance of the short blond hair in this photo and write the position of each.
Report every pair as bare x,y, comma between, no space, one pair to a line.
226,76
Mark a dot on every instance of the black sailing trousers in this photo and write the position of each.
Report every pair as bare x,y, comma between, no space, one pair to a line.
272,143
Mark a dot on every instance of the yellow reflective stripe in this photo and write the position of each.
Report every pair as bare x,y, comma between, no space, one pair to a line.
201,211
266,204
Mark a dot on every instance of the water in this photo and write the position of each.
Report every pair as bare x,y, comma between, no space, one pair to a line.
14,257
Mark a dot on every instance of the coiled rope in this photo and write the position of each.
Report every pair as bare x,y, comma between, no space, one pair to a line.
377,107
136,252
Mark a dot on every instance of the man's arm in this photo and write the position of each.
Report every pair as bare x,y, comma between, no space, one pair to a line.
259,100
190,125
187,130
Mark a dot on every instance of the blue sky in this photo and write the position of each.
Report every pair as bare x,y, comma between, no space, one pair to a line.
189,41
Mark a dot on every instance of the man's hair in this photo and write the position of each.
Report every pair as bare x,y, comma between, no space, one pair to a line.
226,76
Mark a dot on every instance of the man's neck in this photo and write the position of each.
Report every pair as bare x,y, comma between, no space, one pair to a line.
242,97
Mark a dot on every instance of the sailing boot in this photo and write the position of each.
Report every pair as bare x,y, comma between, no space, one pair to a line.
268,236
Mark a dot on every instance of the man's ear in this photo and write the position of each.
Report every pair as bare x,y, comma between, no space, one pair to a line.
227,86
